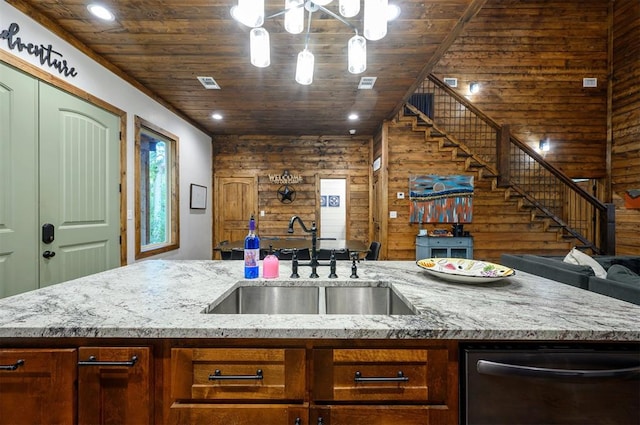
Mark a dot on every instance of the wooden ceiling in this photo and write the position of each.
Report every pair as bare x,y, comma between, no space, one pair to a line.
163,45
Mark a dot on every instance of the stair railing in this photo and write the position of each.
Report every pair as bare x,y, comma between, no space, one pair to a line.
554,194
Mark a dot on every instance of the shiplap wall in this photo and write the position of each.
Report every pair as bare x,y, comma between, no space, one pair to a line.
625,158
530,58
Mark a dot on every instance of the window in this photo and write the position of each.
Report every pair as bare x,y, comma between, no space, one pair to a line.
157,218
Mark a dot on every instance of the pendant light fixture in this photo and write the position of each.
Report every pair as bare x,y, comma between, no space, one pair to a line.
259,47
251,14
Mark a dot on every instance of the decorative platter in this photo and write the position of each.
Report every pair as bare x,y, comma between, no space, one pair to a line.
464,270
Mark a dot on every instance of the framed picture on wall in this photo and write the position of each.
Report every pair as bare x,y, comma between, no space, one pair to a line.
198,200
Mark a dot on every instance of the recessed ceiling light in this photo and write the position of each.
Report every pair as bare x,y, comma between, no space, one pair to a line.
393,11
216,116
101,12
353,117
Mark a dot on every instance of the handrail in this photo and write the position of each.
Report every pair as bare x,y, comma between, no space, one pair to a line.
546,188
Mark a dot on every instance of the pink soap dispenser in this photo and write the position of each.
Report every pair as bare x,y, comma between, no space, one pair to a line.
270,265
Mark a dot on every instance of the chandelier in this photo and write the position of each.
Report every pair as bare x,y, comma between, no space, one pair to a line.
376,15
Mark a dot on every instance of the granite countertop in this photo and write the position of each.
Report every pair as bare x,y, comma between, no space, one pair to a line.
165,299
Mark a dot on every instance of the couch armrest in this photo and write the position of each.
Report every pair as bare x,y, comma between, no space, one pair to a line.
624,291
549,268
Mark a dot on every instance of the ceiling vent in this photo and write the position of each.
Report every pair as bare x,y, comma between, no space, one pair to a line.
209,83
451,82
366,83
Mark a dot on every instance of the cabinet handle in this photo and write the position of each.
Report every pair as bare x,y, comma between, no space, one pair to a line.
94,362
12,366
218,376
398,378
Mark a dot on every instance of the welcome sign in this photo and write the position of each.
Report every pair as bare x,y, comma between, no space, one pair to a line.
45,54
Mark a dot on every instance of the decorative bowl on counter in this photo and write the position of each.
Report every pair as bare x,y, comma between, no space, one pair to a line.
464,270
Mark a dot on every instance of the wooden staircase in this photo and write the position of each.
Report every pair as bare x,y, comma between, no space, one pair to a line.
503,219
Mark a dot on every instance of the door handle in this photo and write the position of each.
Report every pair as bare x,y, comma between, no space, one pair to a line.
48,254
48,234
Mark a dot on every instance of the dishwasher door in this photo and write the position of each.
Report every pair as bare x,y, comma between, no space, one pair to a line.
550,385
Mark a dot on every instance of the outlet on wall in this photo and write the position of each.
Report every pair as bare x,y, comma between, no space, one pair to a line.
400,195
393,214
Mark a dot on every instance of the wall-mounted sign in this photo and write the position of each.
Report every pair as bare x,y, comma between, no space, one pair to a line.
285,178
45,54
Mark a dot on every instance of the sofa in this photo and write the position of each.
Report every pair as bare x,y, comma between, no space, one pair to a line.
618,276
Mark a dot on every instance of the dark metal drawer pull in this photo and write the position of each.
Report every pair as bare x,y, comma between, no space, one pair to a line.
12,366
504,369
217,376
94,362
398,378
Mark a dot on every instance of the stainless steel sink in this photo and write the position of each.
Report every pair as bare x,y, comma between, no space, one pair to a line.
365,300
357,300
269,300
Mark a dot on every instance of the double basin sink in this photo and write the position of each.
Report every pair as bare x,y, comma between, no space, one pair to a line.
375,299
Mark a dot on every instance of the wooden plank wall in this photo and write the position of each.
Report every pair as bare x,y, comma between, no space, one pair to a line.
311,157
530,58
499,224
625,123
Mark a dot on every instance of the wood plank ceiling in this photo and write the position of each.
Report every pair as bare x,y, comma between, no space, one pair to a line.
163,45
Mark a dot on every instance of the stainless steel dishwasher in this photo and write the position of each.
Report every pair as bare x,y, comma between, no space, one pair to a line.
542,384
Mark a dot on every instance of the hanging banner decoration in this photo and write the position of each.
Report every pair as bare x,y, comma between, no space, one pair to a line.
441,199
45,54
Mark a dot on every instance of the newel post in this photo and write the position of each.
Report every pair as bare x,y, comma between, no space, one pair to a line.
608,230
503,145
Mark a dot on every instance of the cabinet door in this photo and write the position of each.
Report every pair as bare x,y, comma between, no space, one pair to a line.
37,386
249,414
115,385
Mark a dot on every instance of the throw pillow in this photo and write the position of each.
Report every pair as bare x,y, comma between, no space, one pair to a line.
575,256
622,274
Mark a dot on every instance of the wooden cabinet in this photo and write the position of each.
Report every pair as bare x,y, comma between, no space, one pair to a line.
381,386
231,385
374,375
444,247
37,386
115,385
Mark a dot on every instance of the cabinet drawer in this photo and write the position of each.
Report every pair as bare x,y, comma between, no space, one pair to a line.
222,414
382,415
373,375
238,373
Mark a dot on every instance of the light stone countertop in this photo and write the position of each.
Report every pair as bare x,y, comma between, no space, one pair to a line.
165,299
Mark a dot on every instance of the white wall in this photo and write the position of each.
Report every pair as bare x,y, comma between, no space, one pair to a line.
333,210
195,146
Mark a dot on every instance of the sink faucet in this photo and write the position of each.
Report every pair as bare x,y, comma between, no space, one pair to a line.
314,263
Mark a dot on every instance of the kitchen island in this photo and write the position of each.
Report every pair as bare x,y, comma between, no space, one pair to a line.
154,311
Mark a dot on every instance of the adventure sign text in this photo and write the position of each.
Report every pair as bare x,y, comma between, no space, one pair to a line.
45,54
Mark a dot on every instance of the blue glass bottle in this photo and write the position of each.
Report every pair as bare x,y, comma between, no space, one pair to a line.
251,252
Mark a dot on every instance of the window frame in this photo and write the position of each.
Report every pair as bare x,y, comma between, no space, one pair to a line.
173,192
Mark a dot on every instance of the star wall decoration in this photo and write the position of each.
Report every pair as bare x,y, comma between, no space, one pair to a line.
286,194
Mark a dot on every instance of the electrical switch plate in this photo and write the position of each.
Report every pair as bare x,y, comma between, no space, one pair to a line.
262,213
129,215
400,195
393,214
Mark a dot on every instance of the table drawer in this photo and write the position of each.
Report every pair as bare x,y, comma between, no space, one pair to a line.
376,375
238,374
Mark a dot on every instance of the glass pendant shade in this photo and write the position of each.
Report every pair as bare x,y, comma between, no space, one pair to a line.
259,46
294,17
304,68
349,8
357,51
249,12
375,19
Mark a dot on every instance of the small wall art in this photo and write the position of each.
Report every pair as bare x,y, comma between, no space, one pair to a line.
198,199
632,199
441,199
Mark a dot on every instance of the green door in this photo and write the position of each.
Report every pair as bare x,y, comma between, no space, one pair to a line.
18,182
59,166
79,187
